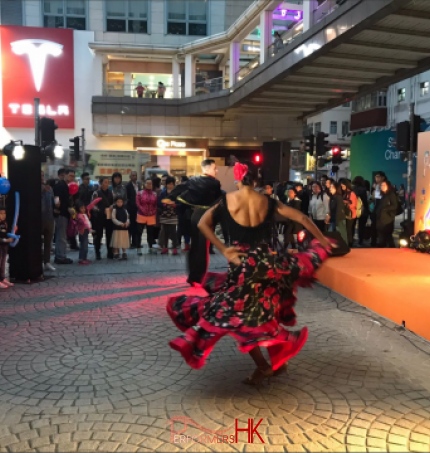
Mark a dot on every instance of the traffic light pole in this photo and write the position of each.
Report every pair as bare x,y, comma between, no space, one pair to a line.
316,165
36,122
410,159
83,148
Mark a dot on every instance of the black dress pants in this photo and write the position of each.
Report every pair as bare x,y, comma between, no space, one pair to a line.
134,230
100,225
198,255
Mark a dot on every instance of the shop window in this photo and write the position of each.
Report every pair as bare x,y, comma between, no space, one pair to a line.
333,127
65,14
401,95
187,17
127,16
317,127
424,88
345,128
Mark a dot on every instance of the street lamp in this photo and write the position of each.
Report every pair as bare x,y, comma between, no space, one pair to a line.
15,148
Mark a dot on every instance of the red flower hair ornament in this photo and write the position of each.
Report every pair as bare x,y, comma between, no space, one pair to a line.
239,171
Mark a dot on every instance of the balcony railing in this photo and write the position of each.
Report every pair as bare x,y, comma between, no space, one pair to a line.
210,86
130,90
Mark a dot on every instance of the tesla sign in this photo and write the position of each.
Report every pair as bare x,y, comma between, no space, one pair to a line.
37,63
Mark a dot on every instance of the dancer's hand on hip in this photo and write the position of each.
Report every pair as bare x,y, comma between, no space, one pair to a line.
233,255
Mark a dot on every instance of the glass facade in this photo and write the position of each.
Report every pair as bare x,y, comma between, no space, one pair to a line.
65,14
127,16
187,17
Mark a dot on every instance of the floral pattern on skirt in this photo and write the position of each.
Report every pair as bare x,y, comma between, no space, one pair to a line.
249,302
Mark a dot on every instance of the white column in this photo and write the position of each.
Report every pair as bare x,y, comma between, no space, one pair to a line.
308,14
176,74
190,75
128,91
266,25
234,62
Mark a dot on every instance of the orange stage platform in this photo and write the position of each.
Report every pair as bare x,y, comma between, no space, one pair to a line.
394,283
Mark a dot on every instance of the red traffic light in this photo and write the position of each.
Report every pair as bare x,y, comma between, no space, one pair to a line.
336,151
257,159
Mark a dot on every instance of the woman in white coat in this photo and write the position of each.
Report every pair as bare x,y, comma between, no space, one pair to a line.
319,206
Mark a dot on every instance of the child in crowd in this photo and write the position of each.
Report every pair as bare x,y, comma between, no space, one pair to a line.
84,228
120,236
4,246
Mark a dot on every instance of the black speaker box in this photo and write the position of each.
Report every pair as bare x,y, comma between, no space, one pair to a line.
25,260
276,162
342,247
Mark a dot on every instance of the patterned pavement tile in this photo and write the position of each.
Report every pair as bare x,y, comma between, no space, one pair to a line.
85,366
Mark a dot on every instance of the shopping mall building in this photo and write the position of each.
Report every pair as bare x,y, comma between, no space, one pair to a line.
85,60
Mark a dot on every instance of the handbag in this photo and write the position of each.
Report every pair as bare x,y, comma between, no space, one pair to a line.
72,228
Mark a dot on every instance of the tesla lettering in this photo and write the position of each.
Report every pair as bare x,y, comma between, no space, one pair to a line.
27,109
37,51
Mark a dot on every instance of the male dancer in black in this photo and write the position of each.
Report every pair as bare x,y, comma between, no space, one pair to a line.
200,193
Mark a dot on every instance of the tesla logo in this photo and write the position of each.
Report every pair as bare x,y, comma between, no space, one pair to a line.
37,51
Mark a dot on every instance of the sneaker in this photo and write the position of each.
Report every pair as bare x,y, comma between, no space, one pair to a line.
7,283
63,261
156,246
139,252
124,256
84,262
186,248
49,267
98,257
116,256
3,286
174,252
164,251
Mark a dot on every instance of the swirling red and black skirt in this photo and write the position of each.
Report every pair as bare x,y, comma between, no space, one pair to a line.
252,302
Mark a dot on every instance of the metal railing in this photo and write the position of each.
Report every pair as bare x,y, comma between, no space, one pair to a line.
210,86
130,90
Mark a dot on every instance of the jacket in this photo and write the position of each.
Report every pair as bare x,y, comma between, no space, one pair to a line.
119,217
386,209
119,191
337,212
131,195
350,200
83,223
146,202
85,194
319,206
168,214
361,193
61,190
202,191
105,202
304,197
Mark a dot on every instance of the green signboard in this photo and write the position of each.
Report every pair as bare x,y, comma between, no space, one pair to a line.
376,151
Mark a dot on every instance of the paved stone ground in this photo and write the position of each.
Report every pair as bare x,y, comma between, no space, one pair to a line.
85,366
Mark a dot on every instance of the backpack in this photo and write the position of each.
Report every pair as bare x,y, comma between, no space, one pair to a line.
359,207
399,209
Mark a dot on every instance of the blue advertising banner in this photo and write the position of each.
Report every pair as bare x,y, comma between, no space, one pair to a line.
376,151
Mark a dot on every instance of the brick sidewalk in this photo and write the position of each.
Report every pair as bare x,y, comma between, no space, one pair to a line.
85,366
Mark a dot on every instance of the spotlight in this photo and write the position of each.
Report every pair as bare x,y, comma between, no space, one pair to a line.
403,242
15,148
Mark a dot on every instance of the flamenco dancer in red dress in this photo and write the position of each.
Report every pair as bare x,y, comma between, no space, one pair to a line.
258,293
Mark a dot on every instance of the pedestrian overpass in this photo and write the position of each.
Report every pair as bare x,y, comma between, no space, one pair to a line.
361,47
